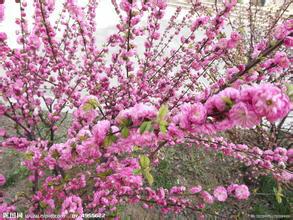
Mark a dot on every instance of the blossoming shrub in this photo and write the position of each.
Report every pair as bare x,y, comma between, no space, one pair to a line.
127,105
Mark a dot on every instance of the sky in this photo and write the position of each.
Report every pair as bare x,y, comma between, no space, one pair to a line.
106,16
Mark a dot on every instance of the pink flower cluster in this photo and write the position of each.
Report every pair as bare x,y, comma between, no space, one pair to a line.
137,114
232,107
241,192
72,204
278,63
220,193
190,115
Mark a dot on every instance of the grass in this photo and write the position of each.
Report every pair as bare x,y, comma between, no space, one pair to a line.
274,207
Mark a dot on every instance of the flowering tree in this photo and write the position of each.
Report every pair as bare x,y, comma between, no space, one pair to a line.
129,100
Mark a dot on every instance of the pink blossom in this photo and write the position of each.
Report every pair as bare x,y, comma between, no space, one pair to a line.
177,189
235,36
282,31
222,101
290,155
2,8
137,113
100,131
247,93
162,4
200,216
2,132
288,41
51,4
230,3
231,72
281,59
199,22
6,208
3,36
220,193
243,116
222,44
2,180
269,101
258,48
208,198
72,204
234,40
191,115
174,131
73,8
125,6
242,192
34,41
231,188
286,176
195,189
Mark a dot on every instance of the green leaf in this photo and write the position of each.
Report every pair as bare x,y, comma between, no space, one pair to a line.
163,128
83,138
104,174
29,156
136,148
279,198
228,101
125,132
163,111
148,177
126,122
145,126
273,43
144,162
66,178
290,91
90,105
110,139
241,30
278,194
43,205
56,154
220,155
142,127
137,171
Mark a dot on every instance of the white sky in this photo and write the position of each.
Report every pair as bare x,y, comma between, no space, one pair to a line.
106,16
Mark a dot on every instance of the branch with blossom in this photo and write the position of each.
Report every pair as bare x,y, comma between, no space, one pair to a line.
127,105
